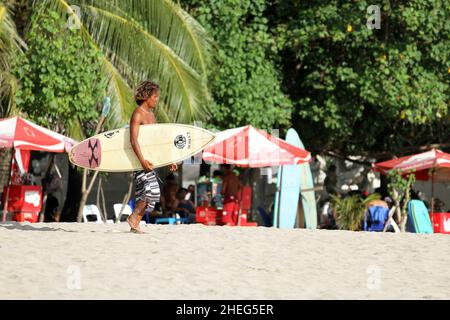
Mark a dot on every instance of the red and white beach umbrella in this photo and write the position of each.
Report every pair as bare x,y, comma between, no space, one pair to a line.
251,147
16,132
420,164
433,165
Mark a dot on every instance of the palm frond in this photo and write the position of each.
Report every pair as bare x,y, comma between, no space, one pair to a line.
122,103
168,22
10,42
175,27
175,56
182,87
371,197
8,88
10,46
74,130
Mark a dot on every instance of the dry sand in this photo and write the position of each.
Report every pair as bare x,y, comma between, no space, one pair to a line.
97,261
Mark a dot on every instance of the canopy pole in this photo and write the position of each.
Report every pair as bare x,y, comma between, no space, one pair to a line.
5,205
432,199
279,198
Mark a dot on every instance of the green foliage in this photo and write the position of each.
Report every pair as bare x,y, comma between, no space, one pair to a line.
367,90
61,75
139,40
245,83
10,46
400,189
350,210
398,182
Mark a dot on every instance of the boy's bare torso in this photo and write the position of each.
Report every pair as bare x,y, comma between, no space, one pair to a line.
144,116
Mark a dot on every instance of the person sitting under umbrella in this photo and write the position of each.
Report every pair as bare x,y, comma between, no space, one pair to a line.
230,191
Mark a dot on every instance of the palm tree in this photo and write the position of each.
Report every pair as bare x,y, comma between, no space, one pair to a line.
10,45
144,39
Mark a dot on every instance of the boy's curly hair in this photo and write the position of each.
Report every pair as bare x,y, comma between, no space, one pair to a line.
144,91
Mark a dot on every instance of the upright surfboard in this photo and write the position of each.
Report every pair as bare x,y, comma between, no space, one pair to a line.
307,194
418,218
161,144
288,186
276,204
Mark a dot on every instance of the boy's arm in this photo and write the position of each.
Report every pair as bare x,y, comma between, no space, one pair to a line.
134,133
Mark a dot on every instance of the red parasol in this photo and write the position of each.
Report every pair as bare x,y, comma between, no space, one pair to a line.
18,133
251,147
433,164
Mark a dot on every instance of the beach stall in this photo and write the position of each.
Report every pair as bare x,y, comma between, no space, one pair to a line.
252,148
433,166
25,201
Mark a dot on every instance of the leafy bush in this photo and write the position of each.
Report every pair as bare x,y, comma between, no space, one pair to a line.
60,75
246,80
400,189
350,210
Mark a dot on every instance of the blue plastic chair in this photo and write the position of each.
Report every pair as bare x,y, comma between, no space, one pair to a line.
170,220
131,204
165,220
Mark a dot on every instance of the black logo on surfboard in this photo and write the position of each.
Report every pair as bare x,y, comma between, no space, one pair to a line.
109,135
180,141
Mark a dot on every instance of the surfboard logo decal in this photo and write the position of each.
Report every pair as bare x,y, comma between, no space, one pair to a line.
180,141
109,135
93,158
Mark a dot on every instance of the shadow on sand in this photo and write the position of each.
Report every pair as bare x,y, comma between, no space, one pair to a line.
26,227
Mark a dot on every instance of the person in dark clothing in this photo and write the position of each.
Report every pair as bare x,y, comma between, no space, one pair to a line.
191,193
51,213
185,208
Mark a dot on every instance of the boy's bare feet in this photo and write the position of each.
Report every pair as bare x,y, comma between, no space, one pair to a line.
134,225
139,231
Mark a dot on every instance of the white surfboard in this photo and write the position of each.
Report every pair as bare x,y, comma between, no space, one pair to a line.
162,144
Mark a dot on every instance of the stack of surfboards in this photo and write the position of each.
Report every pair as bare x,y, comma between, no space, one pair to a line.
293,182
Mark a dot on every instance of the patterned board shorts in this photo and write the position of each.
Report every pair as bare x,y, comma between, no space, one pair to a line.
147,188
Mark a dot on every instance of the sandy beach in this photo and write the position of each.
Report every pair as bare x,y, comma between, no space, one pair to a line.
98,261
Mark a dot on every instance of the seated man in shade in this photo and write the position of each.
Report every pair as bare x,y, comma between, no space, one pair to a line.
185,208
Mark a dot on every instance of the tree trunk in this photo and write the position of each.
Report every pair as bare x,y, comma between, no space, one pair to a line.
5,159
403,223
127,197
83,200
21,15
85,193
8,181
105,213
99,187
